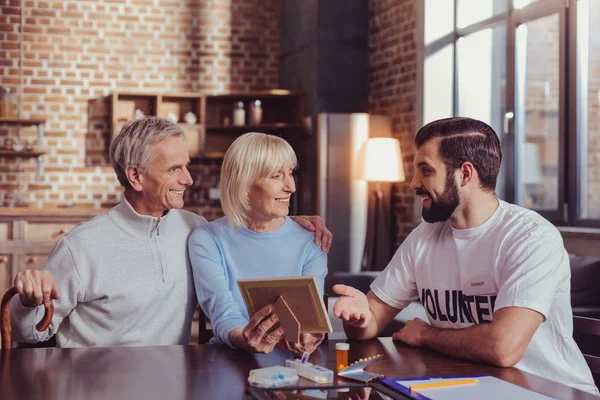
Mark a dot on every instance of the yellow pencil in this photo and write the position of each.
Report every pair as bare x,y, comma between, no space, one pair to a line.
442,384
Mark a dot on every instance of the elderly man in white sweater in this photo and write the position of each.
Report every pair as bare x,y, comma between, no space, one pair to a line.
124,278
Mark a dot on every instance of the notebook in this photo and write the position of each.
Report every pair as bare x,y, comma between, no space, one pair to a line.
486,387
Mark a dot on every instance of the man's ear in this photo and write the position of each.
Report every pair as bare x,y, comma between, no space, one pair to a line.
468,172
135,177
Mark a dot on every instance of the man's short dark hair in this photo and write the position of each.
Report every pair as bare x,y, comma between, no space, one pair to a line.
466,139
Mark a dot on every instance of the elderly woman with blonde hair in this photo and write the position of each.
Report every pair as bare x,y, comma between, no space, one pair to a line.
255,239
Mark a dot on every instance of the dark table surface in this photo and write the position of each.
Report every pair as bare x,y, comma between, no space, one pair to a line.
212,371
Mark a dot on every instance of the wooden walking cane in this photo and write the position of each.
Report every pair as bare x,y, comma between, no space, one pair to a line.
5,330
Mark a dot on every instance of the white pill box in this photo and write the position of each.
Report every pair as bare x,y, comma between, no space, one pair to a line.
272,377
309,371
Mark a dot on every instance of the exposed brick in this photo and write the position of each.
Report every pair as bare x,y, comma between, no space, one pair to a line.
58,31
39,187
68,67
72,14
37,12
7,187
388,96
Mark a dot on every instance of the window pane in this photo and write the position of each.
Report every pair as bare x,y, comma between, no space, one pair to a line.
472,11
482,79
524,3
438,85
439,19
588,107
537,113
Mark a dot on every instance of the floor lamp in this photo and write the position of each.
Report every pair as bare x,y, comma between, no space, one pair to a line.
382,162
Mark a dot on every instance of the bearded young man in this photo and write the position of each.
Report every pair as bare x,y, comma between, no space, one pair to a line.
493,277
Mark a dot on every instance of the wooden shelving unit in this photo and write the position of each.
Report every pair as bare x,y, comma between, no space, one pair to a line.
125,104
282,114
210,136
39,124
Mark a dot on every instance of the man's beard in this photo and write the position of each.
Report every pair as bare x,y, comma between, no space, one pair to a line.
442,209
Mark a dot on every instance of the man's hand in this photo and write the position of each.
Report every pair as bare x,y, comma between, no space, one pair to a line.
308,342
352,307
36,287
412,333
254,335
314,223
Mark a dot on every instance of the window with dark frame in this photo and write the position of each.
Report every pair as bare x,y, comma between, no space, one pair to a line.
529,69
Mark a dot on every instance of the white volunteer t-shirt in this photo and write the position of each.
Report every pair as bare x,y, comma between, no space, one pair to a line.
515,259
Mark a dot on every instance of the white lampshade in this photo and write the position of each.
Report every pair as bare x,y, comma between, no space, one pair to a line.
382,161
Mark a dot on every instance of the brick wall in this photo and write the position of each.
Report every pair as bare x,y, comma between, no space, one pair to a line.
75,52
392,90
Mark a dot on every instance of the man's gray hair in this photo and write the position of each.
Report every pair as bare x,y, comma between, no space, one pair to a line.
133,144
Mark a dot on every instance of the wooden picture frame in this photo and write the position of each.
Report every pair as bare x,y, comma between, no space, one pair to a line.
297,301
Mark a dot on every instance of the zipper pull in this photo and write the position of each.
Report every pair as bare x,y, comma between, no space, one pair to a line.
157,227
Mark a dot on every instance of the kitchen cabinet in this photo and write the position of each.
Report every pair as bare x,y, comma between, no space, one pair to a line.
28,235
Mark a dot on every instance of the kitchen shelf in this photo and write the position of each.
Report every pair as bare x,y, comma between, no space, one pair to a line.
249,128
261,94
209,138
39,124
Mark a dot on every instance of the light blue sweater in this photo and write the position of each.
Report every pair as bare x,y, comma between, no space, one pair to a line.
221,254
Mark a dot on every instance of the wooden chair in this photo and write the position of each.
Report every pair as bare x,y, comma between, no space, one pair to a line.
205,331
204,328
5,329
586,332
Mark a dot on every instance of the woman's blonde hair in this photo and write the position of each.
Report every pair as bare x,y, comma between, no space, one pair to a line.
250,157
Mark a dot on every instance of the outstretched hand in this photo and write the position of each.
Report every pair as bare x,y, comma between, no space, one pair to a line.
352,307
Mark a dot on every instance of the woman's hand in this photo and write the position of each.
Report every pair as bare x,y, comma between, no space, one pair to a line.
308,342
314,223
254,337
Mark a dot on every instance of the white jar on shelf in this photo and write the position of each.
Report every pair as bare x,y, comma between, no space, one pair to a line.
256,113
239,114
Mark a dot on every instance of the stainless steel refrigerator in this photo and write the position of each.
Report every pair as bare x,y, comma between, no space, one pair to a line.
328,185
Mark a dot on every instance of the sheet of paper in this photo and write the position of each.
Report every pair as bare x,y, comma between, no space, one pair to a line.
487,387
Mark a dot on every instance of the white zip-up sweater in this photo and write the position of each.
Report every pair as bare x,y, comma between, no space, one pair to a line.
125,280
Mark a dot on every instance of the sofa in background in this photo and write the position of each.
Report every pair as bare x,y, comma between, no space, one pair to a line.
585,292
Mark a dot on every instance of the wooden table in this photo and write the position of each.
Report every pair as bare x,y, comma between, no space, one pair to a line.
211,371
